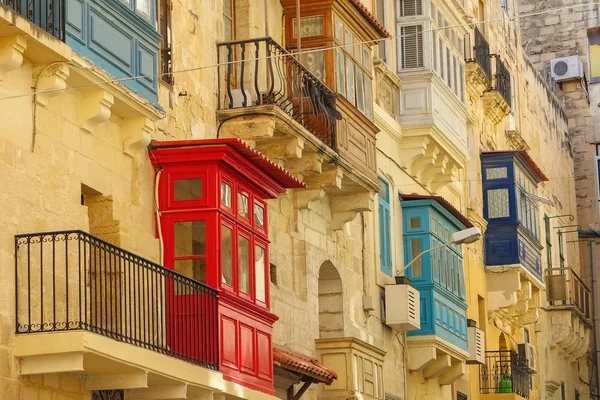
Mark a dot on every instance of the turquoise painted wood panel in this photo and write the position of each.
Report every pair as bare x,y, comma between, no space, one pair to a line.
118,39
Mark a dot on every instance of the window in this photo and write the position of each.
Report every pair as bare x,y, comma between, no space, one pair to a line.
411,47
353,69
385,241
190,249
229,20
188,189
563,391
417,265
164,27
598,171
410,8
382,14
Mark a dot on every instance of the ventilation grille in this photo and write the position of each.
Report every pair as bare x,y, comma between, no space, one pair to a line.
479,347
412,305
476,346
412,46
410,8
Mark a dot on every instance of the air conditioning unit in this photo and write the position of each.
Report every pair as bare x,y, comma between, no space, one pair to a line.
527,352
402,306
566,68
476,338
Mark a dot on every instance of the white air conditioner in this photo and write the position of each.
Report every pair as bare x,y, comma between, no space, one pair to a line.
402,306
476,338
527,351
566,68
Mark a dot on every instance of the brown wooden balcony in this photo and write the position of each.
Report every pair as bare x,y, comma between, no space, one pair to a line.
566,290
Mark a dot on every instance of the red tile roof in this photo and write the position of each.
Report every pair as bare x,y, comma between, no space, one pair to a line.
302,364
371,18
275,171
526,157
444,203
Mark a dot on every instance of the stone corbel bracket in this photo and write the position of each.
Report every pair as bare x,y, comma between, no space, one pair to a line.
95,109
49,84
11,53
137,133
344,207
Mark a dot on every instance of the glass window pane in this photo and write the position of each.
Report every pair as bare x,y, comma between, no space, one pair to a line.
368,98
367,58
415,222
498,203
190,238
226,255
340,71
194,269
244,264
259,273
360,91
314,62
225,194
310,26
496,173
143,6
350,95
188,189
383,190
243,205
259,215
339,30
417,266
348,40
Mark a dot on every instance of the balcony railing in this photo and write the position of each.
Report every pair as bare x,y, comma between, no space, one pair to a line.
72,280
566,289
259,71
504,371
502,80
47,14
480,53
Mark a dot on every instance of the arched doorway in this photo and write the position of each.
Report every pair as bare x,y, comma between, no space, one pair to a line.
331,302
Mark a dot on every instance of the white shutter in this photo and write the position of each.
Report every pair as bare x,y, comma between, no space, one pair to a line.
410,8
411,41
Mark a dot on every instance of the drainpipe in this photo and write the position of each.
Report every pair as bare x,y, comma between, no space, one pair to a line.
592,245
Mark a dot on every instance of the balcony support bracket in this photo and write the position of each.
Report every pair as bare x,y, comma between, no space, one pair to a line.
52,363
345,207
174,391
119,381
420,357
53,80
436,368
11,53
137,133
454,373
95,108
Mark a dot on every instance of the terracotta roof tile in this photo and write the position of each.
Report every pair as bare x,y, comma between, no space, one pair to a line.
302,364
371,18
442,202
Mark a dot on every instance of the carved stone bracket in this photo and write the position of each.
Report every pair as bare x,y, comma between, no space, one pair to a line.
516,141
281,148
53,79
137,133
95,109
495,107
306,197
344,207
11,53
551,387
569,333
477,81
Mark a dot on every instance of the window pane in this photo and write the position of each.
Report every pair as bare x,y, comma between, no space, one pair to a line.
348,40
367,58
339,30
190,238
498,203
226,255
242,205
415,222
188,189
417,266
350,95
340,71
309,26
194,269
259,215
315,63
383,190
225,194
360,91
368,98
143,6
244,264
259,273
496,173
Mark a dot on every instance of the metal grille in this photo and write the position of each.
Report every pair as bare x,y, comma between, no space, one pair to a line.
504,372
47,14
108,395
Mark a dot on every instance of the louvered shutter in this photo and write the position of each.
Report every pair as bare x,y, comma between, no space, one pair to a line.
411,46
410,8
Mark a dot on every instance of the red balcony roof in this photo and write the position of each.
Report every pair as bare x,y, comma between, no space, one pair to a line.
302,364
275,171
442,202
371,18
527,158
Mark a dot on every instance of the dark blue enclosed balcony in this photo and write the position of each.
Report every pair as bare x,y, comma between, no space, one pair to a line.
120,37
510,180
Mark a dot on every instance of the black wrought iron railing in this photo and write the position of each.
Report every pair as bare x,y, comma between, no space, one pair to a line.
72,280
504,371
260,71
481,53
502,81
47,14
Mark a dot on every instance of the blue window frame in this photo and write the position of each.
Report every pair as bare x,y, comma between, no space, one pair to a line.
385,236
